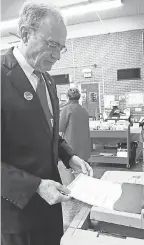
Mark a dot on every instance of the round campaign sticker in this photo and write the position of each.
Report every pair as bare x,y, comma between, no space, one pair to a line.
28,96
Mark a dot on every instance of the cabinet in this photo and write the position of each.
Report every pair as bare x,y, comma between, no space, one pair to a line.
104,136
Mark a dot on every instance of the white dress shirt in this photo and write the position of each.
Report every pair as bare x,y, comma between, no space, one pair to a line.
28,70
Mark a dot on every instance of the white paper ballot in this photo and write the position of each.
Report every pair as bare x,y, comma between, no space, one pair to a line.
95,192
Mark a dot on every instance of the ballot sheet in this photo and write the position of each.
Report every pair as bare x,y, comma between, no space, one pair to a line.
125,197
95,192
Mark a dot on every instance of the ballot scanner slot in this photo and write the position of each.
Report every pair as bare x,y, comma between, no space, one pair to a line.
115,230
83,231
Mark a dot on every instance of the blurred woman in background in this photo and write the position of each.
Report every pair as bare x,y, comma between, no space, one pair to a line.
74,125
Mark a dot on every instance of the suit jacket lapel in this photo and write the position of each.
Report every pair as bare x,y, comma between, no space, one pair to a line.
23,85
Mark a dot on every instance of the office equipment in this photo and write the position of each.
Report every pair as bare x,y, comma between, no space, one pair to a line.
98,226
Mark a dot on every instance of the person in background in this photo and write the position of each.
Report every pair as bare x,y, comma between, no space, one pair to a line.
74,125
116,112
31,187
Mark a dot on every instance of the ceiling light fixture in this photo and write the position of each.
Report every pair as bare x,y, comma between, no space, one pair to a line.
85,8
11,26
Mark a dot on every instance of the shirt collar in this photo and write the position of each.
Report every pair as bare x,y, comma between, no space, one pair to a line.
28,70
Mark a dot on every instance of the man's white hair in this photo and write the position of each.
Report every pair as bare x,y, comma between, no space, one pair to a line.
34,12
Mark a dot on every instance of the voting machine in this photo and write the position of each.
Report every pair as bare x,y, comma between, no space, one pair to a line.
95,225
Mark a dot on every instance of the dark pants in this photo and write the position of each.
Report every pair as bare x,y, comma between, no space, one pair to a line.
30,238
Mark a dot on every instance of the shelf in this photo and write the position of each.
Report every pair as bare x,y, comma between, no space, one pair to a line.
109,134
108,159
105,136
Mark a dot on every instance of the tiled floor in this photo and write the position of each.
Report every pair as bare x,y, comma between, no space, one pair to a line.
71,208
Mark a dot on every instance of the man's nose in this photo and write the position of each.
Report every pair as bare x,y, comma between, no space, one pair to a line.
56,54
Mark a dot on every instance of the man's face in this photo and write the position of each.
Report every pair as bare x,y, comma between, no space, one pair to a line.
43,48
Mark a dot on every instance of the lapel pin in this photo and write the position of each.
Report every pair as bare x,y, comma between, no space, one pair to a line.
28,96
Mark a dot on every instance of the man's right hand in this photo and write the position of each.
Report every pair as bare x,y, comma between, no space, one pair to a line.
51,192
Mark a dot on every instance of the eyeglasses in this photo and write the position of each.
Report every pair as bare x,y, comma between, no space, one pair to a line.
54,45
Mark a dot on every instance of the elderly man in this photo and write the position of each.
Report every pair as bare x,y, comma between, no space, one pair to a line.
31,185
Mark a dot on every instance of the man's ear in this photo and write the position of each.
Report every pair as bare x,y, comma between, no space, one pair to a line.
24,34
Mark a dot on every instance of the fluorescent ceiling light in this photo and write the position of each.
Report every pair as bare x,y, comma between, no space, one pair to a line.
8,25
83,9
11,26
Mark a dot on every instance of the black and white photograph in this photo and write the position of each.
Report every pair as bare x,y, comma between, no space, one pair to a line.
72,122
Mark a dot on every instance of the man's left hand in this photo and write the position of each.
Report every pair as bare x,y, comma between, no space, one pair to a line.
80,166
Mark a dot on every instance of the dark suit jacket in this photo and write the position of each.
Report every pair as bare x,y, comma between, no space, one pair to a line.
29,151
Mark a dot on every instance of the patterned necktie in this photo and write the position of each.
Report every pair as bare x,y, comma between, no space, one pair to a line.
41,92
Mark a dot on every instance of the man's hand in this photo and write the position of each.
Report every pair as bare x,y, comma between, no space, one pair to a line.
80,166
53,192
